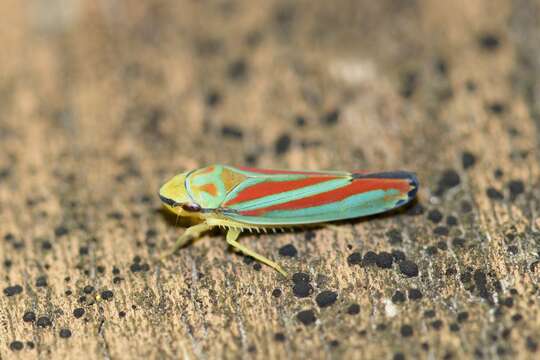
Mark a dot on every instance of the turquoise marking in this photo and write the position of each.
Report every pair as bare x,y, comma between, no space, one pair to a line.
287,196
372,202
204,199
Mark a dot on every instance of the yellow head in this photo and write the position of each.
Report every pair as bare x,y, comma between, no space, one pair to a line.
174,196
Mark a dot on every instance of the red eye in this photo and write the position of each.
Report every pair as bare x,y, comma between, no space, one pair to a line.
191,207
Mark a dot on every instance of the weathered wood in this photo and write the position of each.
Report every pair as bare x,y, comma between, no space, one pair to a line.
100,102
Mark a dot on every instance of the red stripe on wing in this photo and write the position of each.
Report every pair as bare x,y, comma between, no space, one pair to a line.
355,187
275,187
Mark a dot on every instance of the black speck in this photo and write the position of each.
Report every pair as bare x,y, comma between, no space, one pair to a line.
279,337
213,98
237,70
384,260
468,160
496,108
46,245
43,322
232,132
16,345
435,216
429,314
454,327
498,173
122,314
88,289
326,298
441,231
13,290
282,144
29,316
354,259
300,121
489,42
395,236
409,84
276,293
399,356
516,188
466,206
330,118
78,312
532,345
398,255
437,324
408,268
415,294
513,249
451,220
458,242
257,266
353,309
302,289
398,297
517,317
406,330
449,179
300,277
65,333
107,294
288,250
83,250
306,317
309,235
480,280
61,231
370,258
494,194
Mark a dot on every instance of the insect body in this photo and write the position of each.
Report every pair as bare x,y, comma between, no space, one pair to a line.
241,198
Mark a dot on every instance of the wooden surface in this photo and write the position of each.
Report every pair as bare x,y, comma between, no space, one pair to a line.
102,101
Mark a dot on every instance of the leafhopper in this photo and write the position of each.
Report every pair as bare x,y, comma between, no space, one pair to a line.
243,198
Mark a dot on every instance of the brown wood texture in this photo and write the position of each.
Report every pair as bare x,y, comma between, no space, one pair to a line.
102,101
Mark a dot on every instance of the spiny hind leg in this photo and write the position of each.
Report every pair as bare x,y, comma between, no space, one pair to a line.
233,234
191,233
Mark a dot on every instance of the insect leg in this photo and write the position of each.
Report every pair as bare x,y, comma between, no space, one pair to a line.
191,233
232,235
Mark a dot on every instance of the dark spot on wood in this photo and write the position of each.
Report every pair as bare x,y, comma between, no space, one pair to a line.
408,268
516,188
384,260
330,118
494,194
16,345
288,250
13,290
43,322
326,298
406,330
489,42
78,312
353,309
232,132
354,259
238,70
435,216
398,297
276,293
468,160
65,333
282,144
306,317
409,83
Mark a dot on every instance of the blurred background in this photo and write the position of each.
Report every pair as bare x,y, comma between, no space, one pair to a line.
102,101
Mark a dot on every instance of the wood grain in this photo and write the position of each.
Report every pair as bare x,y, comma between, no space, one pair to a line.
100,102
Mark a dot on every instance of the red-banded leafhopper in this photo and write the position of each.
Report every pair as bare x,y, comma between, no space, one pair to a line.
241,198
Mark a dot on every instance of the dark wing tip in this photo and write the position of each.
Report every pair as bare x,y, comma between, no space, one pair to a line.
405,175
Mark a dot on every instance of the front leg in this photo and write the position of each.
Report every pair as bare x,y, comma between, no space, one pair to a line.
233,234
191,233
